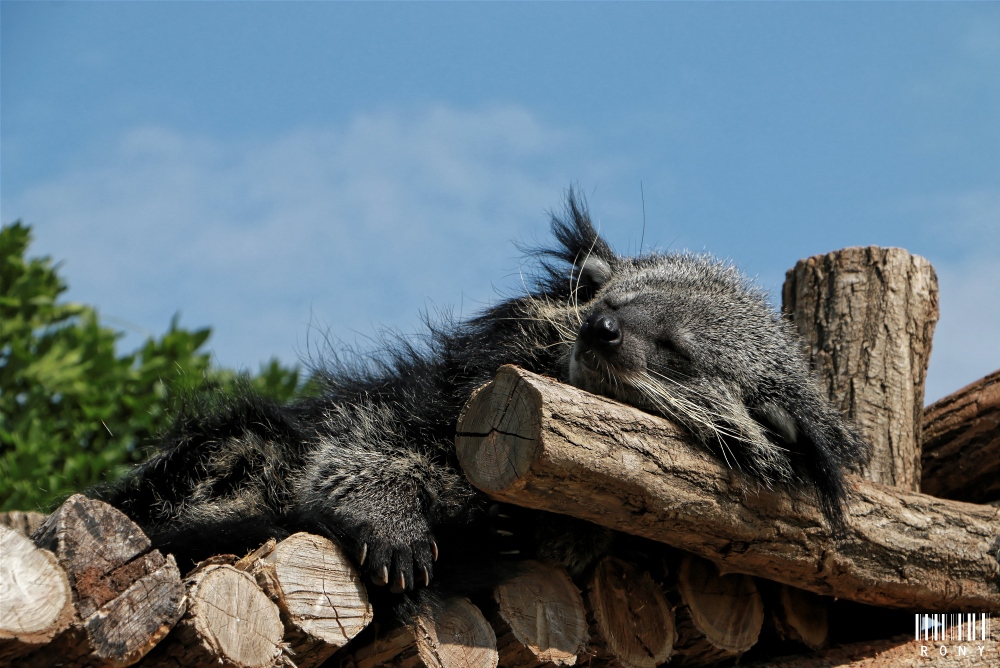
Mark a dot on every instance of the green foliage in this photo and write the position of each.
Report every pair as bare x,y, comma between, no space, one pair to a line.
72,412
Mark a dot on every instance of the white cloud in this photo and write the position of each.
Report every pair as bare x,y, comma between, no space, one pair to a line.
356,224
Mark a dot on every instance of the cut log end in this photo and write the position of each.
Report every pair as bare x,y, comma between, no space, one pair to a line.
540,618
633,623
35,600
452,635
497,437
230,622
322,600
802,616
718,616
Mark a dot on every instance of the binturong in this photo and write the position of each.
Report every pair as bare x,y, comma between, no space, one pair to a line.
370,461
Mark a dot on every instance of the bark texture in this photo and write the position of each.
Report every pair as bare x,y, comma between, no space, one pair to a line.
127,597
322,600
539,618
531,441
230,623
35,600
867,316
456,635
631,620
961,446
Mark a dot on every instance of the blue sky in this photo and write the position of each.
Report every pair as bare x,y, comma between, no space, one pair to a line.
288,171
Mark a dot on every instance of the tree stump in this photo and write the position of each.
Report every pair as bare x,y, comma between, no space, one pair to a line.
631,621
127,597
867,316
322,600
35,599
961,448
230,623
539,618
718,616
801,616
454,635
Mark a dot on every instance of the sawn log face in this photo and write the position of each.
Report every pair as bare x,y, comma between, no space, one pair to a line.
534,442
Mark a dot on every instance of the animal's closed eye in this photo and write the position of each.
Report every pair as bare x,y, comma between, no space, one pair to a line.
671,346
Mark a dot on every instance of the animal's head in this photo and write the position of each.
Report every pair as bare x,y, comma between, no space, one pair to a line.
682,335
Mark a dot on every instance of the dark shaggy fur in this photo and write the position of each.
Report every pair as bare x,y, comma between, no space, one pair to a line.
371,461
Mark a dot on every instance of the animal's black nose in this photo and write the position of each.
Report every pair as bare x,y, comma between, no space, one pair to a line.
601,329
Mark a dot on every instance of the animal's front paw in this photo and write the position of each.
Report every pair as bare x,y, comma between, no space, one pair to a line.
399,552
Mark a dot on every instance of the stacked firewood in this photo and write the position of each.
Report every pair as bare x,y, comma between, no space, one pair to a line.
725,570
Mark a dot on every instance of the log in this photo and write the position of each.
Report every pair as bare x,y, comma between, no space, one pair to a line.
35,600
539,618
718,616
897,652
454,635
229,623
320,596
801,616
867,316
631,621
534,442
127,596
23,521
961,448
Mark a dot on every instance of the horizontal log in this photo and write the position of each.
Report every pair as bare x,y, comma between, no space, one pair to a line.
534,442
961,443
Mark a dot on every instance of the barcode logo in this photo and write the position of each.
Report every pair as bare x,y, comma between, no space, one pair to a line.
957,627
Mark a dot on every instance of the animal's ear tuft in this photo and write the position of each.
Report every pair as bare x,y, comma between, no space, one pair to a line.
592,272
576,235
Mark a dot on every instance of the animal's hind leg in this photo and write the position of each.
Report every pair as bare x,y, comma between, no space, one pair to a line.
218,484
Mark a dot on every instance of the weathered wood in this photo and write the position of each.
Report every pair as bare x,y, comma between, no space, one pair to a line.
229,623
718,616
127,597
23,521
539,618
801,616
35,599
631,621
454,635
898,652
867,316
961,446
322,600
531,441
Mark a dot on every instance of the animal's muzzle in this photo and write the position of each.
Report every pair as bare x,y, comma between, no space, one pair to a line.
601,331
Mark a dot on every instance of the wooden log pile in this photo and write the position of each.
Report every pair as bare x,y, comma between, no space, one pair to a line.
728,572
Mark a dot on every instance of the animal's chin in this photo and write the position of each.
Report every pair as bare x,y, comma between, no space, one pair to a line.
591,372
